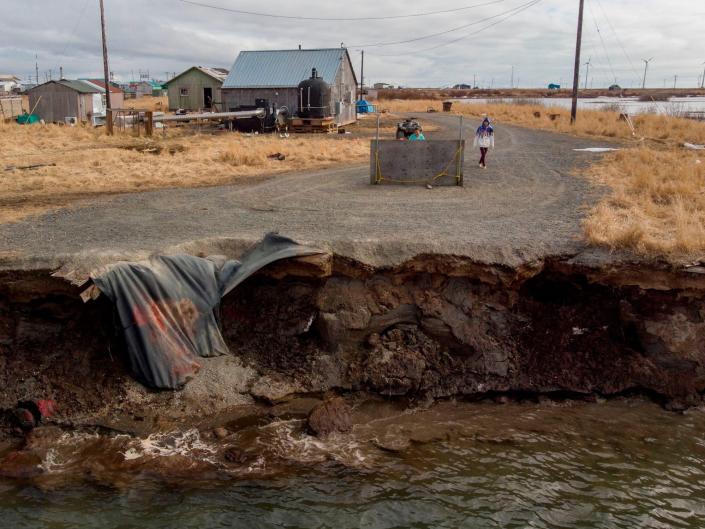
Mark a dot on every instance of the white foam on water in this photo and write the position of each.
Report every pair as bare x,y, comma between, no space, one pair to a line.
286,440
187,443
58,457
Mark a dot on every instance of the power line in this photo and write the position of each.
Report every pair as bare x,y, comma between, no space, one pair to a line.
604,46
78,23
444,32
510,14
338,19
619,41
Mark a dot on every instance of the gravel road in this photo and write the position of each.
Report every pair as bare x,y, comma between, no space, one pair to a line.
526,205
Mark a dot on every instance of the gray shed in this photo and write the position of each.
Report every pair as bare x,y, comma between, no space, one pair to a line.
58,101
276,74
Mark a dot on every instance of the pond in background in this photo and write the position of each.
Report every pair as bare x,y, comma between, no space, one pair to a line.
675,106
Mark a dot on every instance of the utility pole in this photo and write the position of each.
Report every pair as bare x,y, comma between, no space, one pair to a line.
474,80
511,82
576,70
702,83
362,73
36,67
587,71
646,67
106,71
675,81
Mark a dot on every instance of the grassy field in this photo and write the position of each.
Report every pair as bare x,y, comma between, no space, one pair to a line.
656,200
79,162
148,103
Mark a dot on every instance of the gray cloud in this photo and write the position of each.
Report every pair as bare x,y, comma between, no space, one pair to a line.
169,36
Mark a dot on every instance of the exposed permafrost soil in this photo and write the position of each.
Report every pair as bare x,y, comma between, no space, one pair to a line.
434,327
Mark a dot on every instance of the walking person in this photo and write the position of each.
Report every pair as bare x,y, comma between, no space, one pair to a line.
484,138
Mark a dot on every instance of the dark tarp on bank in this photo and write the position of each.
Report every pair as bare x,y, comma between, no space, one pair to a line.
165,306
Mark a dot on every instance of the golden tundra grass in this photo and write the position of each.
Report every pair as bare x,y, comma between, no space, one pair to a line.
88,162
148,103
662,130
656,200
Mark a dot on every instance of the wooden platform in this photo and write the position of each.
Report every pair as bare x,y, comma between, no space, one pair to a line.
312,125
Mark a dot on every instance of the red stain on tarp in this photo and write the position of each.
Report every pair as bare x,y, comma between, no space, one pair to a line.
47,407
149,315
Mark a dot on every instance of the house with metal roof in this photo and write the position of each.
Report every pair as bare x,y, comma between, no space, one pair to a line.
196,88
117,97
9,83
274,75
67,101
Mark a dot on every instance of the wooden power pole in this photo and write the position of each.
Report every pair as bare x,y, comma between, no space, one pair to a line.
576,71
106,72
362,74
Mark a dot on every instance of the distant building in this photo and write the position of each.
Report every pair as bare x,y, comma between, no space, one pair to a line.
554,86
196,88
140,88
275,75
615,88
158,88
117,97
9,83
68,100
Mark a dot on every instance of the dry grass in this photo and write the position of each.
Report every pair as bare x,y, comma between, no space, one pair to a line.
88,162
592,123
148,103
656,206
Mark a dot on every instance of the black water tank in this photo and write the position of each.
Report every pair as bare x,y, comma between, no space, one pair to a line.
314,97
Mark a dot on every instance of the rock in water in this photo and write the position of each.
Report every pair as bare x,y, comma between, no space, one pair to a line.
332,415
220,432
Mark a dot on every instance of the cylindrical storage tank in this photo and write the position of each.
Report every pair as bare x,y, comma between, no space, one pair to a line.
314,97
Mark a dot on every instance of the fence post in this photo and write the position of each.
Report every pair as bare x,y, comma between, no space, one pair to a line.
148,123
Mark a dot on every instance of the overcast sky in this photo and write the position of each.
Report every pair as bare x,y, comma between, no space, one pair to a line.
170,35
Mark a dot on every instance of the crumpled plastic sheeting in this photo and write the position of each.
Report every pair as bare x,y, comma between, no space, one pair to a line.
165,306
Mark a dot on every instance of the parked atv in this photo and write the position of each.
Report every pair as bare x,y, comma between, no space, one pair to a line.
407,127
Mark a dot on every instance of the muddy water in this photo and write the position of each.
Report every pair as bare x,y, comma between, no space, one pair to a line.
624,463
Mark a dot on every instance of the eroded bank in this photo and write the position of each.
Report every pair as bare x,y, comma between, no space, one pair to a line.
433,327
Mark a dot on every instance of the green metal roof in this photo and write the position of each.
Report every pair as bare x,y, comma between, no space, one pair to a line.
79,86
283,68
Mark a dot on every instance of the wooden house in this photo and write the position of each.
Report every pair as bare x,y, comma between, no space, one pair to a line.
67,100
275,75
196,88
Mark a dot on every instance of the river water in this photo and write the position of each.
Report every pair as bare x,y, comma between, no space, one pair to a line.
675,106
622,463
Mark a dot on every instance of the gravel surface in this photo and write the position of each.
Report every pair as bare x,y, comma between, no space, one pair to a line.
526,205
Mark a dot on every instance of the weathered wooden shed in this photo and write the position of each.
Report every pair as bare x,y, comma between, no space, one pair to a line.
55,101
275,75
196,88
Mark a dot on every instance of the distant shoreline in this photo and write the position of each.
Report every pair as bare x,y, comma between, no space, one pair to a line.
658,94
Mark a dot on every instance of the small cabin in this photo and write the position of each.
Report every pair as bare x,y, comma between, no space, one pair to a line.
196,88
